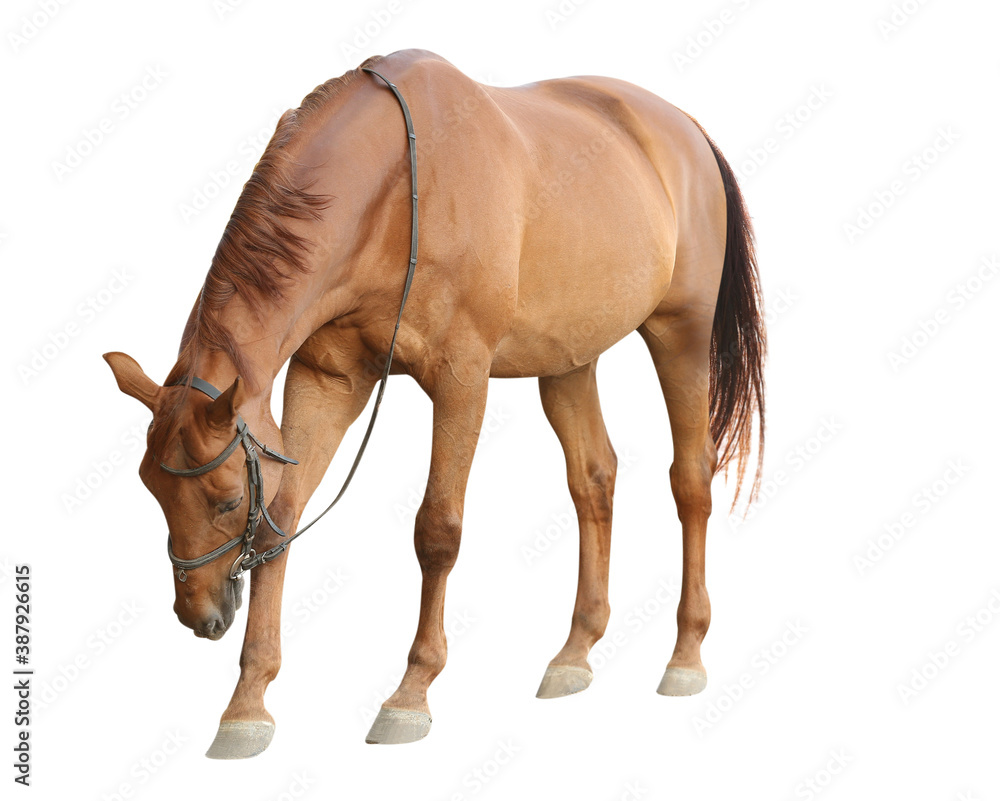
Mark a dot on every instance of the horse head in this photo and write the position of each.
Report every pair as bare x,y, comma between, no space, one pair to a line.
205,509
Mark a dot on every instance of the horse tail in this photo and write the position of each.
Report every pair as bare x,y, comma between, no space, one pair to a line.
739,342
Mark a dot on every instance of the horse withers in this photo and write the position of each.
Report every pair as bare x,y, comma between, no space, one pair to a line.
555,219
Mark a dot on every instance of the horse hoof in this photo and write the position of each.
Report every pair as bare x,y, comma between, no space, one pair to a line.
393,726
560,680
682,681
240,739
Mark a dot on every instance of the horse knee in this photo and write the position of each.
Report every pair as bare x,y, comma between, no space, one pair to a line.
691,484
593,487
436,537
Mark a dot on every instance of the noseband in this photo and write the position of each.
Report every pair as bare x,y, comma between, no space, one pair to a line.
257,511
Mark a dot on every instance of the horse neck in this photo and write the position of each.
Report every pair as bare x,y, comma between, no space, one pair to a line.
340,266
264,340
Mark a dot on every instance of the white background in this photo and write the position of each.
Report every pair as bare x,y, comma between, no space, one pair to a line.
858,439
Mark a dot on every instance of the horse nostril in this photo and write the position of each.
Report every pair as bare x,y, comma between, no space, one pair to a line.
212,627
215,627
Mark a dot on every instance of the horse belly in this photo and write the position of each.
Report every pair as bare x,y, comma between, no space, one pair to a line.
593,267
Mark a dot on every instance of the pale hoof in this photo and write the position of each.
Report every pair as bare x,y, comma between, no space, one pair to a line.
240,739
682,681
560,680
394,726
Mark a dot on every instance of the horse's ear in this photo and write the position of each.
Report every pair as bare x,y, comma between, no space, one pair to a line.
131,379
223,410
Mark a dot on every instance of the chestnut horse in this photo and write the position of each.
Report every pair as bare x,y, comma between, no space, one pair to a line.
555,219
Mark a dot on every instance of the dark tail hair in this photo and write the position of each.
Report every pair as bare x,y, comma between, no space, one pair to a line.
739,342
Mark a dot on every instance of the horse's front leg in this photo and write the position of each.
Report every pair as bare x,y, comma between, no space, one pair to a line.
247,727
319,407
459,395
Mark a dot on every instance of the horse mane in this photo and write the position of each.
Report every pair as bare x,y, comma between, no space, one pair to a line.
258,253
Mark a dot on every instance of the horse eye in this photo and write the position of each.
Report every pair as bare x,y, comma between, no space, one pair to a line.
231,506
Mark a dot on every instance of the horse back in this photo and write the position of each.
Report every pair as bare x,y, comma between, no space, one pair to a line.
556,210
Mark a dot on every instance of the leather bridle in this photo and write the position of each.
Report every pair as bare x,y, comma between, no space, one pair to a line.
257,510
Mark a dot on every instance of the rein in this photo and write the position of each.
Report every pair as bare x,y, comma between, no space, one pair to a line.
257,510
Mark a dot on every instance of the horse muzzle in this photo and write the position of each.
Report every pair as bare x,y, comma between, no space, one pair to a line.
213,622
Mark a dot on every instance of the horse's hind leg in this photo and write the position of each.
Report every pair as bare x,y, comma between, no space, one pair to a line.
679,344
574,411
